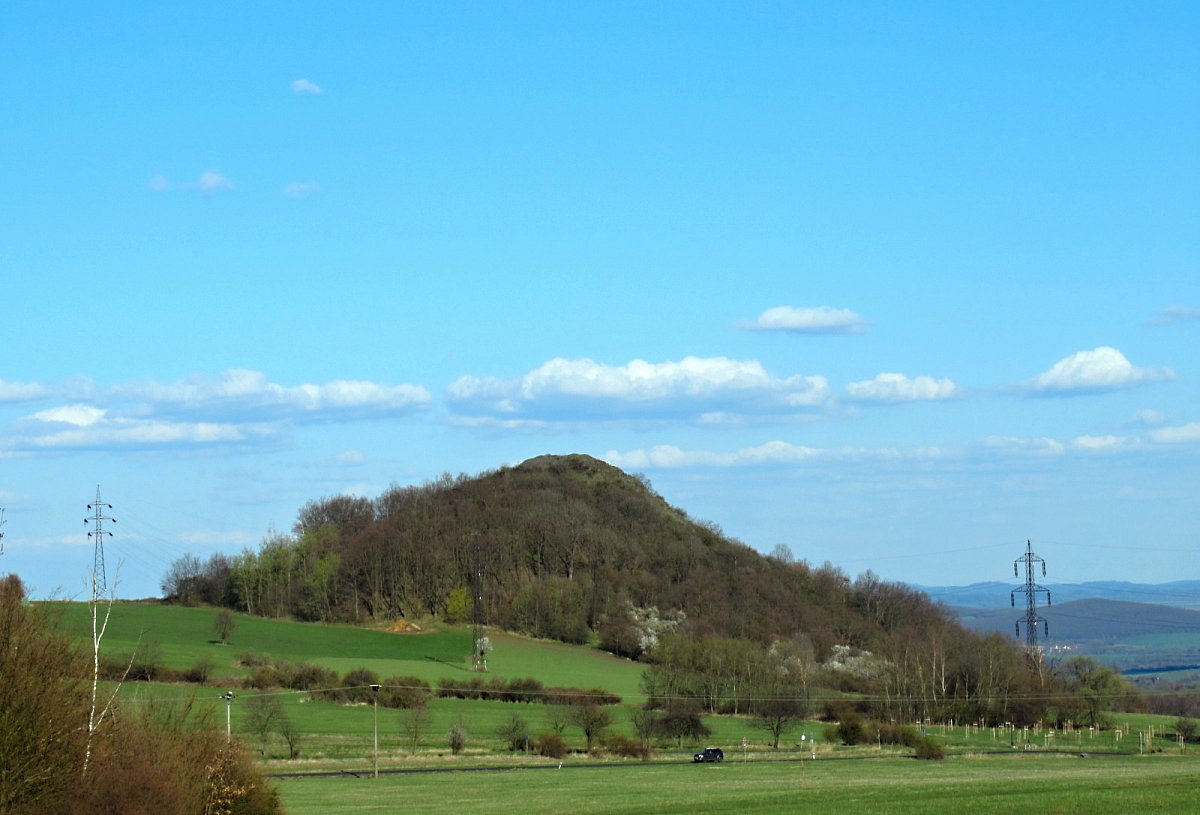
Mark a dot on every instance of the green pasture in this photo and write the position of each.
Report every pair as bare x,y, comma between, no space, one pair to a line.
1008,784
184,635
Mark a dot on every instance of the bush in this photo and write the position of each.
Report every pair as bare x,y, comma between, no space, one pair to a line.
252,659
404,692
513,732
930,749
626,747
550,745
199,672
850,729
458,738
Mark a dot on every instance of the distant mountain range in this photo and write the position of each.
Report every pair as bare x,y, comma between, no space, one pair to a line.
1178,594
1092,620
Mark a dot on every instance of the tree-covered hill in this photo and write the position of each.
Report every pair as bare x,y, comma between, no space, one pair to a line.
565,546
571,548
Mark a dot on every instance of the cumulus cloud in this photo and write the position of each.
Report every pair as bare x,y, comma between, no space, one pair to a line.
811,320
306,86
693,386
299,189
894,387
77,415
251,391
1100,369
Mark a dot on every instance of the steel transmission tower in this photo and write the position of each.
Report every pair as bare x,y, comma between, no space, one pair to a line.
1,530
1031,591
97,535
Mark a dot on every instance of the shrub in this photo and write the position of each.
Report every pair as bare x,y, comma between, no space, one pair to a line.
929,749
850,729
199,672
550,745
252,659
458,738
513,732
404,692
626,747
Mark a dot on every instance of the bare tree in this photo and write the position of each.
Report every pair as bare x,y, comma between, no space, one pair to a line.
415,723
263,713
593,720
224,625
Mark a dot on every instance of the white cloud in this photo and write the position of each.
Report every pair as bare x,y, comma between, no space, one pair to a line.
22,391
123,432
211,181
813,320
1149,417
1176,314
306,86
1100,369
894,387
1039,446
1099,444
1181,434
77,415
667,456
299,189
246,390
692,386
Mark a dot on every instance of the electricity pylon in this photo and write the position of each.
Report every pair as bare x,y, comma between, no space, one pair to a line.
1031,591
99,580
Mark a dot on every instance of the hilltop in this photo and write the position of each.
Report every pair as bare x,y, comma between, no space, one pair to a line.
567,547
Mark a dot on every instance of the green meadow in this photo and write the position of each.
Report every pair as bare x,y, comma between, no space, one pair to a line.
988,770
1009,784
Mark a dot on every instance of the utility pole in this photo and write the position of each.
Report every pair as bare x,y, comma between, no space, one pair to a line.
1031,591
375,700
228,697
481,645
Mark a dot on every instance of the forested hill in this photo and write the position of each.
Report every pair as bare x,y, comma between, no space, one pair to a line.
566,546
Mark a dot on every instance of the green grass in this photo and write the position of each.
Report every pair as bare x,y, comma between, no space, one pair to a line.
184,635
1009,784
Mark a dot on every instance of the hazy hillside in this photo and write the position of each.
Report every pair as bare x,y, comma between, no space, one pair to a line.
995,594
1092,620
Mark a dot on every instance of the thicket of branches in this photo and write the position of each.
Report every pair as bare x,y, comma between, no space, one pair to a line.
161,759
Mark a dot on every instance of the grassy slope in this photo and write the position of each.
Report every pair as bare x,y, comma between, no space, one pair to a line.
186,634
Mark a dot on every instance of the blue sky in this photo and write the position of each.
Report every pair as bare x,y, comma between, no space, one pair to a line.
898,286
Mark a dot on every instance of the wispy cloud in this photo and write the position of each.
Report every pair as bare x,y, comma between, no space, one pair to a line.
211,181
895,387
247,391
101,431
21,391
1101,369
306,86
772,453
299,189
1176,314
689,388
1181,434
808,320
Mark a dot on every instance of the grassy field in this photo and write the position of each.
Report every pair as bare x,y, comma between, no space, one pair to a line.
1009,784
989,770
184,635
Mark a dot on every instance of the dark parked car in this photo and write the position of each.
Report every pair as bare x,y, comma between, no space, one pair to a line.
709,754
